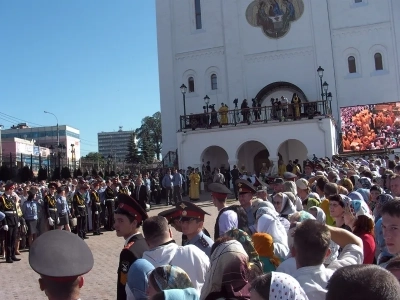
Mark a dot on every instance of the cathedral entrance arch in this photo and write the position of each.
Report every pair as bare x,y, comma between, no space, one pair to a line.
292,149
277,90
216,156
251,155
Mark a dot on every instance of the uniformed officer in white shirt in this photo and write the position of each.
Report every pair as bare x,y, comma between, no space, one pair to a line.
192,222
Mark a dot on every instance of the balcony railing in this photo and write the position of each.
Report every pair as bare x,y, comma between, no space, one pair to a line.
256,115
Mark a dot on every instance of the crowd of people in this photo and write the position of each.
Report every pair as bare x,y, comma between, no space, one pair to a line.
326,233
369,128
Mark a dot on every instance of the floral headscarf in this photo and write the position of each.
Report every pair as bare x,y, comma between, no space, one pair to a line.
359,208
285,287
171,277
243,238
228,273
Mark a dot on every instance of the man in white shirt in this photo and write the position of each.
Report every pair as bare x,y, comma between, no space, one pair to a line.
311,247
164,251
227,219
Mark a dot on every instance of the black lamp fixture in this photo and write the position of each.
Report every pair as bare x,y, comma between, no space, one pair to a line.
183,91
329,97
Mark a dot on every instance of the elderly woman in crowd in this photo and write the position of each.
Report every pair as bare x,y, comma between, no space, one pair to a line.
229,273
283,205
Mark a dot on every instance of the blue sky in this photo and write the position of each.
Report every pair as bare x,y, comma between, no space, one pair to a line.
93,63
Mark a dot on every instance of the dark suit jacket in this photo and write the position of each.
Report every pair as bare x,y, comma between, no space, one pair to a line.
141,195
131,252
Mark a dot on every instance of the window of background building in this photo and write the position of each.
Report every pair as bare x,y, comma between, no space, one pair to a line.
214,82
378,62
352,64
197,8
358,1
191,84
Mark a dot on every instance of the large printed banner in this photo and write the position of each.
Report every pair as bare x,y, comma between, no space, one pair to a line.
370,127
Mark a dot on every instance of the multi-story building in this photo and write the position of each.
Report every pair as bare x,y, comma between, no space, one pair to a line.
47,137
114,143
219,51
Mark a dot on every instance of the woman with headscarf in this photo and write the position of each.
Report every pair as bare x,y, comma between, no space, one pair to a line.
228,276
267,221
283,205
264,245
277,285
290,188
365,194
184,294
167,277
374,192
318,213
382,254
136,286
358,217
243,238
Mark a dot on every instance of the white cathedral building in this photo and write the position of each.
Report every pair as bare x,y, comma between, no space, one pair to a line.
212,52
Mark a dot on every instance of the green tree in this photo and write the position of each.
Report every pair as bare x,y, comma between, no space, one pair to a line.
25,174
133,155
65,173
42,174
147,150
151,130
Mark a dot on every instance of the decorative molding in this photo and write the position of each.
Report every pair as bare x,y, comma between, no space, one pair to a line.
278,55
360,30
200,53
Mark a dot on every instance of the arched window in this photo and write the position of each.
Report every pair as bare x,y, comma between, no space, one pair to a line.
378,62
197,9
214,82
191,85
352,64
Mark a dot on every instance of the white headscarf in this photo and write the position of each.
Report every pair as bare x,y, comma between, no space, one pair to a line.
288,207
285,287
268,222
321,217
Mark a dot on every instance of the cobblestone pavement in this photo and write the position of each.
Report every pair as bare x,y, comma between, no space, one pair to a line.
19,281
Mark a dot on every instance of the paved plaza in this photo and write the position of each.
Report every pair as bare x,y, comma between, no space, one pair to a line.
19,281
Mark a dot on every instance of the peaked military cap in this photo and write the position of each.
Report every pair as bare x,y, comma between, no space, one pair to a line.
260,185
171,214
190,210
128,205
244,187
219,190
60,255
52,185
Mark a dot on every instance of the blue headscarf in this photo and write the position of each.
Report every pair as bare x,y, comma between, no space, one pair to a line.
355,196
185,294
138,278
364,193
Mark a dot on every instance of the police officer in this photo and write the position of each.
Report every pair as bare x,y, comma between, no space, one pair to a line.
79,204
192,222
10,222
50,206
61,259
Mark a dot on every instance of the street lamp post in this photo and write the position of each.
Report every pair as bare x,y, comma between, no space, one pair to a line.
207,101
73,156
58,131
320,72
183,91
